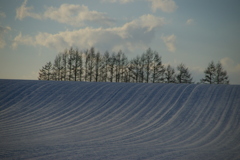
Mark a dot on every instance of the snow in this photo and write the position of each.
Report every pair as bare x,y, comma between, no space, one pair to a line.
82,120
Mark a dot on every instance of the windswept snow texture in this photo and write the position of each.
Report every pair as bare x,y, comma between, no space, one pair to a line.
82,120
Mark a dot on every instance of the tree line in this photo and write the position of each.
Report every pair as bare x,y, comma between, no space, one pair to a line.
91,66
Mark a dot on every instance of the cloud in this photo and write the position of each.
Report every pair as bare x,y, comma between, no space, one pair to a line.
133,35
31,75
190,21
2,43
69,14
25,40
24,11
170,42
164,5
2,15
230,65
3,31
76,15
232,68
197,73
119,1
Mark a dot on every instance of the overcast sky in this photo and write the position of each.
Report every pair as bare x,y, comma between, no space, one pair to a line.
193,32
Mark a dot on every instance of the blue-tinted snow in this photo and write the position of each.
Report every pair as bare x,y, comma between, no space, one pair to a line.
81,120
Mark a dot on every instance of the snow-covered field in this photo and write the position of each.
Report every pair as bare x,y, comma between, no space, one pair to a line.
81,120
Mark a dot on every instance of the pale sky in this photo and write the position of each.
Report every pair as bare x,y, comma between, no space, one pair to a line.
193,32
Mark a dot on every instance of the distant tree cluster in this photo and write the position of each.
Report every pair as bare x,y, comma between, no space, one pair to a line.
90,66
214,74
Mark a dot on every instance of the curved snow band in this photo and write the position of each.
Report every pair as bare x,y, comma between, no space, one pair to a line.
81,120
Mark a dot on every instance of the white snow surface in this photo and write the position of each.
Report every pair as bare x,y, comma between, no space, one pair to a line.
110,121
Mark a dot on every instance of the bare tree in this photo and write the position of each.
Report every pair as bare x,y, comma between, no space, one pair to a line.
87,57
147,68
71,53
134,69
142,68
118,66
111,66
91,58
64,66
80,64
105,66
149,59
76,62
123,67
97,66
57,67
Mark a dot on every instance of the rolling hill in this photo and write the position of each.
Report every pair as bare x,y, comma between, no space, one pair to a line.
82,120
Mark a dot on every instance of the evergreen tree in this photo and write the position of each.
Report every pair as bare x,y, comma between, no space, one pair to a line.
46,72
170,76
183,76
88,66
221,75
42,75
158,69
214,74
210,74
48,68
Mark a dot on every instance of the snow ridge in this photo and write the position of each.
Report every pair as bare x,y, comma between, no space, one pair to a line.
82,120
